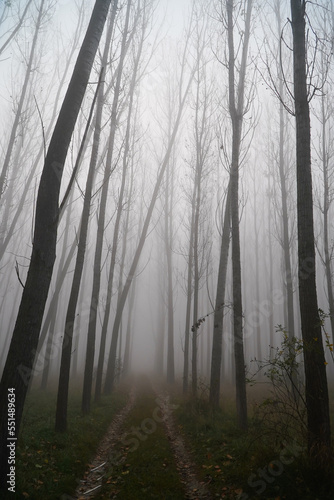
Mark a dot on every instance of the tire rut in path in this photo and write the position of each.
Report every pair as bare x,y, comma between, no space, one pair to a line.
195,490
91,484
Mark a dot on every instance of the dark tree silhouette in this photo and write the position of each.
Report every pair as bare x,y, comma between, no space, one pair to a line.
319,441
24,341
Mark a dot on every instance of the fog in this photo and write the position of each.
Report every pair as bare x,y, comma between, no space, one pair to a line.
182,63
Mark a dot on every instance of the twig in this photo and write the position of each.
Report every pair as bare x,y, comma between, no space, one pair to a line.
18,273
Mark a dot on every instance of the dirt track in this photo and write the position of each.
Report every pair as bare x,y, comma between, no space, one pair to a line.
90,485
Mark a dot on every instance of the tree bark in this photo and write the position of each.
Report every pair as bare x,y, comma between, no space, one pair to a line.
236,109
169,261
318,421
22,350
216,358
189,296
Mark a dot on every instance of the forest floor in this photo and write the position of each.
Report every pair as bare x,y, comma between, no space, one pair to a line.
146,442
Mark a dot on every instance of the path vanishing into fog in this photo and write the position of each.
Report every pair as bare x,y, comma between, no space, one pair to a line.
143,454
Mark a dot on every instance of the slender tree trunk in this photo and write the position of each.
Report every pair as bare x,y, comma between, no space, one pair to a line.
284,198
90,351
189,296
169,268
161,323
80,314
216,358
64,373
22,350
326,205
129,333
49,344
271,266
257,276
236,112
318,421
196,279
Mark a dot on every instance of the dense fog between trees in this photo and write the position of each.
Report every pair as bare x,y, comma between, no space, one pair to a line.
157,113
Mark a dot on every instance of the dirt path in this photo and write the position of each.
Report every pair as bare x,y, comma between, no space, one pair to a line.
195,489
92,482
185,473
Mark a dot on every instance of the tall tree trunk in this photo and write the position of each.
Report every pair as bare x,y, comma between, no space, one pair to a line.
189,296
128,334
169,260
161,319
194,360
318,421
49,344
236,109
271,269
64,373
326,206
288,276
90,351
216,358
257,274
129,331
26,331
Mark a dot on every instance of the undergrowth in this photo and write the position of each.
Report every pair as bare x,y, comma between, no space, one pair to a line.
49,465
257,464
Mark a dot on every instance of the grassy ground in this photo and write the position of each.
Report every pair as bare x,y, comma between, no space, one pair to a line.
234,465
50,464
252,465
142,465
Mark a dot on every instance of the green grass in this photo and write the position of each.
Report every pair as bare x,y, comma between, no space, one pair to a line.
247,465
233,464
142,466
49,464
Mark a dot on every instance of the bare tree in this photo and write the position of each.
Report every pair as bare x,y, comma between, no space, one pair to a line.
28,323
121,196
90,351
183,93
9,35
318,421
13,134
64,374
237,110
8,226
